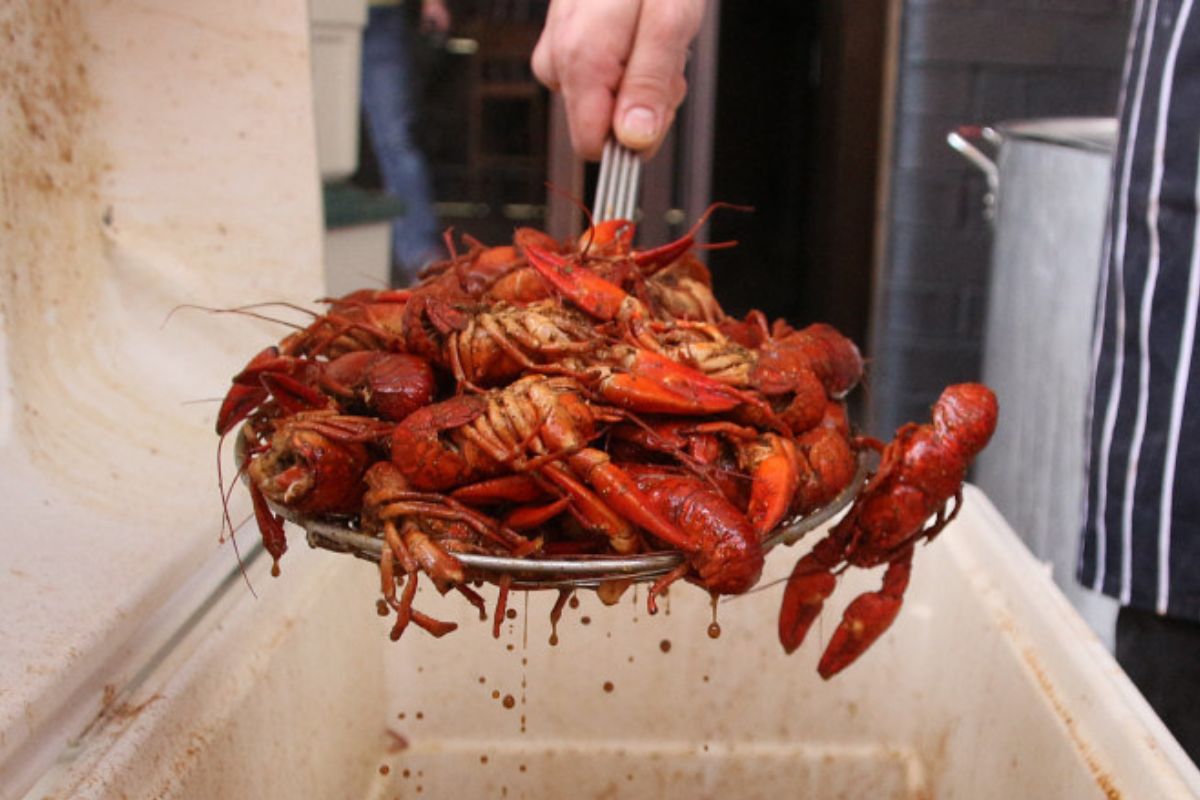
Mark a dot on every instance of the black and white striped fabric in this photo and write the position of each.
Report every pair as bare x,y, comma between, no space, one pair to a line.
1141,538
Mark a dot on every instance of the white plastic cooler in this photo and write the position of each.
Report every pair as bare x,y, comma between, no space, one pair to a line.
135,661
988,685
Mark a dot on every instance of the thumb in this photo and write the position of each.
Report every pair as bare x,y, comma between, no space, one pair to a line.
653,85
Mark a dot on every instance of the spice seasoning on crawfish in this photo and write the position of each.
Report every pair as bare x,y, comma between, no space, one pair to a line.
588,398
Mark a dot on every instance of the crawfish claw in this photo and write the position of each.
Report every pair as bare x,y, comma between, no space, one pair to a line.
865,621
802,602
598,297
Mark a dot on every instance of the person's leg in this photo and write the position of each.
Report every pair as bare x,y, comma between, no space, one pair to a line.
387,106
1161,655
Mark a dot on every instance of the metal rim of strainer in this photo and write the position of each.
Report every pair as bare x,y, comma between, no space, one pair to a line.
581,571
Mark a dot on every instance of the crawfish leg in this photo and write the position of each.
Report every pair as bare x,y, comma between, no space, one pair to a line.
518,488
394,550
474,598
526,517
270,525
661,585
592,511
504,583
506,343
422,503
867,617
435,627
943,519
461,381
442,568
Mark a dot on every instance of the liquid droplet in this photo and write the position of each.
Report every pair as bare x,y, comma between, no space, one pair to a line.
384,769
482,679
511,613
509,701
585,620
495,694
381,608
714,630
665,645
556,613
608,686
483,759
525,626
574,601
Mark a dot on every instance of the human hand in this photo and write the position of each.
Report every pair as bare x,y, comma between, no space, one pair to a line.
435,17
619,65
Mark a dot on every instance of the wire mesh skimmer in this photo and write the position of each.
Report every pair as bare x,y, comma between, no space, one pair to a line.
340,535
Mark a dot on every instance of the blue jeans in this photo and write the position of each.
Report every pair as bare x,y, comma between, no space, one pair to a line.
388,109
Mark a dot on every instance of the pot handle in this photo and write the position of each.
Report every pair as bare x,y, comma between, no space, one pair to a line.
963,139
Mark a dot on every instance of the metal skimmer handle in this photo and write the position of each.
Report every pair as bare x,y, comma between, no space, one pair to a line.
618,183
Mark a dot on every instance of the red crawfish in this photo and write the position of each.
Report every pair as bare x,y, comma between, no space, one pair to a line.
392,385
311,463
810,365
722,549
541,425
489,345
920,471
769,461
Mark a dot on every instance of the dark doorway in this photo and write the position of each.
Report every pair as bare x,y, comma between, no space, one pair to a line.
797,137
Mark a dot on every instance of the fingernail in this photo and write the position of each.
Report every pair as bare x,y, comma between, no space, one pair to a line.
639,127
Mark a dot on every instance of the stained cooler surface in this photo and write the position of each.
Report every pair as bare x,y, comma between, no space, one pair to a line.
988,685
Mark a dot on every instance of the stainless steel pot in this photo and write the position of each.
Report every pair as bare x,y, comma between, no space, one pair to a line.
1049,195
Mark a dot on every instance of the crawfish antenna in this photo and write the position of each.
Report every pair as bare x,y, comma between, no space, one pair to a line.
245,311
226,521
448,239
708,212
579,204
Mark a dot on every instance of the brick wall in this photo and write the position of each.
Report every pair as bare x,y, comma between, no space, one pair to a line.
966,61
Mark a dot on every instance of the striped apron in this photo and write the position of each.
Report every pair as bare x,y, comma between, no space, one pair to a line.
1141,514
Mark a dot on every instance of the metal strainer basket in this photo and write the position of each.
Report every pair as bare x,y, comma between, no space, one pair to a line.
555,572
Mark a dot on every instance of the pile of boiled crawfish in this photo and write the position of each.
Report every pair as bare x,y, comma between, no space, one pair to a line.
547,399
